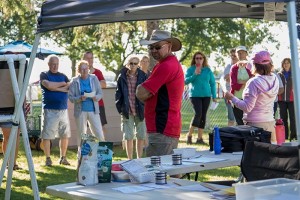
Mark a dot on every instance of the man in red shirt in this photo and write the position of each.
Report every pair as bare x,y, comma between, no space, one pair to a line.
162,94
89,57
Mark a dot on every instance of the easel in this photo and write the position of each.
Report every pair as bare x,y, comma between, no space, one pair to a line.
18,118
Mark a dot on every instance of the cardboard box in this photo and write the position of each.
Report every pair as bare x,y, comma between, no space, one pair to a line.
104,155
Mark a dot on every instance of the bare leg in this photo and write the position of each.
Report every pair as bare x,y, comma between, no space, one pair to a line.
46,144
189,135
231,123
200,133
63,146
6,133
139,148
129,148
191,130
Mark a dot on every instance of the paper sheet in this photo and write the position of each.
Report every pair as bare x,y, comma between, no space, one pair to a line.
132,189
195,187
156,186
204,160
223,84
213,105
89,94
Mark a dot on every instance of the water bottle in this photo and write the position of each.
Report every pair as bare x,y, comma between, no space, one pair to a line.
280,132
217,141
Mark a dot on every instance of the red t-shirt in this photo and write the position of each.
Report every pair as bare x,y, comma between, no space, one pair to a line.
100,77
162,110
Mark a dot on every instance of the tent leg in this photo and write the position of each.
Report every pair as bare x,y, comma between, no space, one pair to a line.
292,22
26,144
18,114
13,133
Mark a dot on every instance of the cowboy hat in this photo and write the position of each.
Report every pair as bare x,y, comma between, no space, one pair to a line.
158,35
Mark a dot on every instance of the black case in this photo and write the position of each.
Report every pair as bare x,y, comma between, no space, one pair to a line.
234,138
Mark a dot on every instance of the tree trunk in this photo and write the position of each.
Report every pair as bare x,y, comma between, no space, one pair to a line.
151,26
242,34
73,67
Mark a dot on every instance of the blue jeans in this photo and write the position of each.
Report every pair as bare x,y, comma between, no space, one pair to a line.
230,114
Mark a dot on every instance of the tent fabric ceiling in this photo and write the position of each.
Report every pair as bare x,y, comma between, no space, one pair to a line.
58,14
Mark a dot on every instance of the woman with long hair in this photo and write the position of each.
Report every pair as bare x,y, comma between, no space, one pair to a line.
286,99
202,89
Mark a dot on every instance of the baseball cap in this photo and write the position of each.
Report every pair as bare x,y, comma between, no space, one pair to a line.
262,57
241,48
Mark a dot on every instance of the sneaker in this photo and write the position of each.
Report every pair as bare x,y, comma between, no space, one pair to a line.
48,162
63,161
200,141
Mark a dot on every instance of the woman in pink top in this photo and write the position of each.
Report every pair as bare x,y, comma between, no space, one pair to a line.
259,95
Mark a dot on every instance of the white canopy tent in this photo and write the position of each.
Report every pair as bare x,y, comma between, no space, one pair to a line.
58,14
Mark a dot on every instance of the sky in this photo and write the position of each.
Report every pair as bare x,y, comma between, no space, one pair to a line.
280,33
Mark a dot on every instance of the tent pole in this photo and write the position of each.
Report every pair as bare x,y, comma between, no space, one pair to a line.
291,11
23,123
34,184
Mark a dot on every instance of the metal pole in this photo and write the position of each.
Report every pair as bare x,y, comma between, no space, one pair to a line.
291,11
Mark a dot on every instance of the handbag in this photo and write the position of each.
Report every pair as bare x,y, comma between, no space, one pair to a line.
234,138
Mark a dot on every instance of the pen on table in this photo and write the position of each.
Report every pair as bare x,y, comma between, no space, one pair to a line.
194,157
177,183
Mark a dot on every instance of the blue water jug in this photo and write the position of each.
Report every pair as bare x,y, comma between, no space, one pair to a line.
217,141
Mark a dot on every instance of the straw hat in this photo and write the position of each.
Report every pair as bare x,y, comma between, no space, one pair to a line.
159,35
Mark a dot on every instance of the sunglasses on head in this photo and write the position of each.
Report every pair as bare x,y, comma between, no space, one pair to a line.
150,47
132,63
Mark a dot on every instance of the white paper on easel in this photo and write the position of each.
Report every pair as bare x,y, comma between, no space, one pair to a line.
213,105
89,94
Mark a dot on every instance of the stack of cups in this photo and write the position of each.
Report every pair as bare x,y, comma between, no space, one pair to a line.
161,178
177,159
155,160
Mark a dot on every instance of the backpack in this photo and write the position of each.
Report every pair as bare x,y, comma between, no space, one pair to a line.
234,138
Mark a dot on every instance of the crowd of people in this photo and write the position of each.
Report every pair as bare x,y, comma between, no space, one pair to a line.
149,101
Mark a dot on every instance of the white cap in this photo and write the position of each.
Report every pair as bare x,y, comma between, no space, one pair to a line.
241,48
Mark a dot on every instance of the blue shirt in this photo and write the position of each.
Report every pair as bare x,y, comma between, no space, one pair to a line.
54,99
88,104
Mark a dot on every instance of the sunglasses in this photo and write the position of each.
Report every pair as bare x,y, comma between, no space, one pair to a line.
157,48
198,58
132,63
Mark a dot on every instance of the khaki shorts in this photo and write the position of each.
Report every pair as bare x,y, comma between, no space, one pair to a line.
55,123
160,144
267,126
131,126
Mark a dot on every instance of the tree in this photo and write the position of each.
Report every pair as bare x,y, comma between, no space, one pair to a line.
218,35
18,20
114,43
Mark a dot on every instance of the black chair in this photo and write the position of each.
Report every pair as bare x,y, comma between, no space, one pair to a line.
262,161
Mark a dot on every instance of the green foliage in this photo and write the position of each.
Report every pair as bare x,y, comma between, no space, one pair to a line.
219,35
17,21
